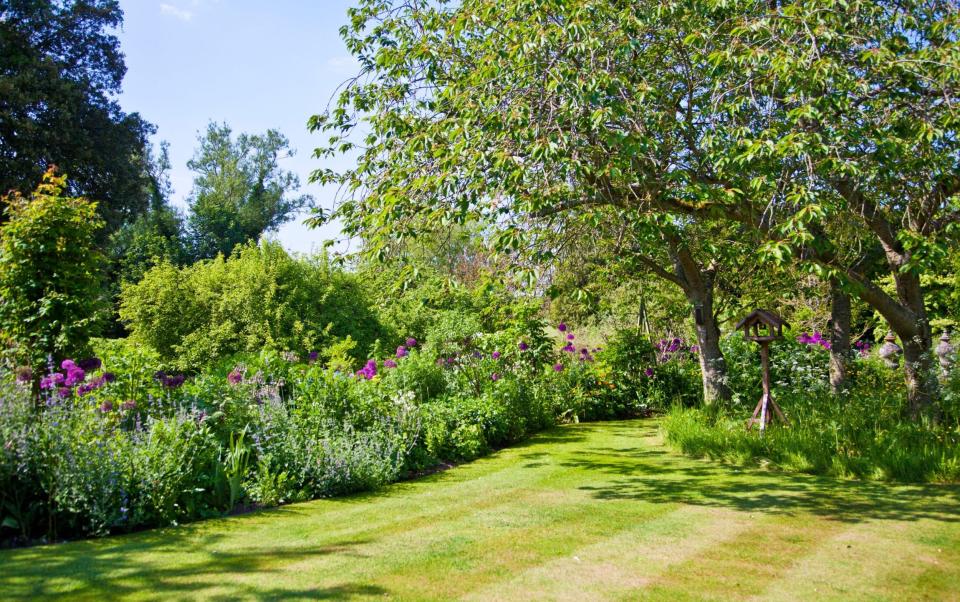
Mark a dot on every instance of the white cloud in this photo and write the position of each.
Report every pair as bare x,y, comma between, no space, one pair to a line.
176,12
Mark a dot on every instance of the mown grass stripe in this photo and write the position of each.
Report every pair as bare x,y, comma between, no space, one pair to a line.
599,511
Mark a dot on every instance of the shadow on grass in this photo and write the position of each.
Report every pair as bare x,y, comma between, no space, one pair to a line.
654,475
185,562
181,563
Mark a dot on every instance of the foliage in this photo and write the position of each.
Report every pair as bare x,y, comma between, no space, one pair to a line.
239,191
665,119
861,435
60,70
50,283
260,298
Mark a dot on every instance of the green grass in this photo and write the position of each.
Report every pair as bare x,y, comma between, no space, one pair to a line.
590,511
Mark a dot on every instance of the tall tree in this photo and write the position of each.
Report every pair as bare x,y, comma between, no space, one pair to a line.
60,71
781,116
239,191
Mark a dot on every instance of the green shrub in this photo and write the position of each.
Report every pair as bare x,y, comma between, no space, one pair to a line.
260,298
50,280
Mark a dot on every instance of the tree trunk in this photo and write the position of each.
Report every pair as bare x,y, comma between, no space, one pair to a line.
918,368
907,317
697,284
713,368
839,337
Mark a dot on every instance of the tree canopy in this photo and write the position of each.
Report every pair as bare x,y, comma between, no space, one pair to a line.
60,71
793,119
240,190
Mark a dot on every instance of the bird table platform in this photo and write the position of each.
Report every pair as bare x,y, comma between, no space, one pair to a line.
763,327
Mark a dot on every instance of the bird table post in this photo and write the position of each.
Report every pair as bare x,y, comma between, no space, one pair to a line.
763,327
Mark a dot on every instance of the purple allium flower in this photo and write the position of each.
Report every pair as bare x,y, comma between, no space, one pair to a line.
68,364
558,367
108,377
312,356
235,377
523,346
174,382
411,342
402,351
570,337
90,364
389,364
477,354
495,355
159,375
75,374
106,406
369,370
494,377
562,327
648,372
24,374
569,348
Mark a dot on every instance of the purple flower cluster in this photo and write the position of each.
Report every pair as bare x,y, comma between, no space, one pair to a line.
73,374
369,370
389,364
815,339
668,349
402,352
169,381
862,346
523,346
411,342
495,355
313,356
24,374
235,377
90,364
93,385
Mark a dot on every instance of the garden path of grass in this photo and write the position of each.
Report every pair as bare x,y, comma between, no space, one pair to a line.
589,511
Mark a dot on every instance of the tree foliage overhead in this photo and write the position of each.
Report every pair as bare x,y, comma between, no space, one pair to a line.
60,71
240,191
801,120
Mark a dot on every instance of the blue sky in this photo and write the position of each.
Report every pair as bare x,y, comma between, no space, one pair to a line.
256,65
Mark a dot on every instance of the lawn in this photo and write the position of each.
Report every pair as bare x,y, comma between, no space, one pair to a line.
589,511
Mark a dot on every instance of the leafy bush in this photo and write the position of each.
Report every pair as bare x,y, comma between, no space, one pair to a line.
260,298
49,273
